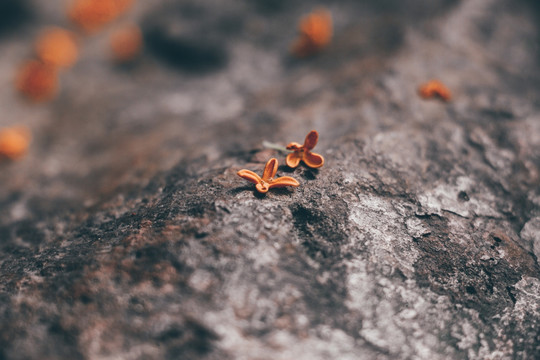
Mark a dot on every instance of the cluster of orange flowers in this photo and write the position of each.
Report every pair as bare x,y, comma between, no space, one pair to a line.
299,153
315,33
92,15
58,48
38,79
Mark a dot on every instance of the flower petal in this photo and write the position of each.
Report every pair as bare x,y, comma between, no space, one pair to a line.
249,176
311,140
293,146
270,169
313,160
284,181
293,159
262,187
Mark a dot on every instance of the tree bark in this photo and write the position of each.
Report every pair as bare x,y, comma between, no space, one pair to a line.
126,232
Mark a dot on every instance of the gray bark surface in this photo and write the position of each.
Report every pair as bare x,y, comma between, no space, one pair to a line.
126,233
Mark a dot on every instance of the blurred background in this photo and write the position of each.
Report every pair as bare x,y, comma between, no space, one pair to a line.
126,233
112,92
105,93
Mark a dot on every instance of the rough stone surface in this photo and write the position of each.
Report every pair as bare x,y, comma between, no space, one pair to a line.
126,233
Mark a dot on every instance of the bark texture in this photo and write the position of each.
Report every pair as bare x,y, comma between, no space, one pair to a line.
126,232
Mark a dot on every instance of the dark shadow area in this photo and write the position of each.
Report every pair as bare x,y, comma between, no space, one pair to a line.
286,169
259,195
310,174
190,37
412,8
285,191
190,340
188,54
533,6
241,189
13,15
271,7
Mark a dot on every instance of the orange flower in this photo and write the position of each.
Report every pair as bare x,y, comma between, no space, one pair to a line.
93,14
435,88
303,152
315,33
38,81
126,43
57,47
14,141
267,181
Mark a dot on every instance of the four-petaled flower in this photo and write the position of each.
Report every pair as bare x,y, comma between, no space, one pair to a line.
303,152
267,181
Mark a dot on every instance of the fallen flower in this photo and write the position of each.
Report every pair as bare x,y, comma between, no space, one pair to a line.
303,152
14,141
267,181
91,15
37,80
315,33
435,88
126,43
58,47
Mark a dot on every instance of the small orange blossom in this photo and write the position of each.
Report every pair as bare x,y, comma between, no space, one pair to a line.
435,88
315,33
91,15
37,80
267,181
57,47
14,141
303,152
126,43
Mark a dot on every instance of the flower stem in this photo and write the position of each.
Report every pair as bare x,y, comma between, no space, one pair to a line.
274,146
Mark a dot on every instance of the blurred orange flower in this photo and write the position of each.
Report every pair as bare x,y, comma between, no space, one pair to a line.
57,47
14,141
126,43
315,33
93,14
435,88
37,80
